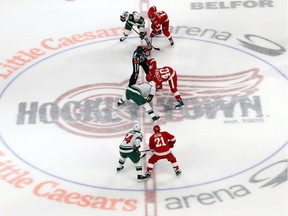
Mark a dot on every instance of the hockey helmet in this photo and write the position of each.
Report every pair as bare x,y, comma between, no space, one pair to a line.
150,61
152,64
140,50
151,12
148,48
137,127
149,77
136,16
156,128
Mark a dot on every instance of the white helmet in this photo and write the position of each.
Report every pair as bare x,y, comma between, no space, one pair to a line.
137,127
136,16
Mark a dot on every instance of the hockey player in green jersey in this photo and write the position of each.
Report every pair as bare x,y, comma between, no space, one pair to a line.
133,19
142,94
129,148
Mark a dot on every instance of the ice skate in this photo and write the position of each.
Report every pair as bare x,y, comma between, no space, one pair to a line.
155,118
178,173
148,175
171,42
119,168
141,178
179,105
120,102
123,38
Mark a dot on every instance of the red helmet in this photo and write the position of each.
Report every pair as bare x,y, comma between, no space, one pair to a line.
149,77
150,61
151,12
148,48
152,9
156,129
152,65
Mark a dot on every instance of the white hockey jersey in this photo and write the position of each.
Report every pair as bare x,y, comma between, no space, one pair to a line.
132,140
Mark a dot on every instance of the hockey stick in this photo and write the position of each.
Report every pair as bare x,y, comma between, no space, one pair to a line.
147,41
145,150
142,155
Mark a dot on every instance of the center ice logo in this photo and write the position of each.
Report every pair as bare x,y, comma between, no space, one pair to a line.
57,123
90,110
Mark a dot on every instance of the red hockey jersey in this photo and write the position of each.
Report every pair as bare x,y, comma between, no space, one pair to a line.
162,74
161,142
160,18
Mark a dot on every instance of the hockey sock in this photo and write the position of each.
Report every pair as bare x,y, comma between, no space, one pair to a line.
121,162
151,113
177,95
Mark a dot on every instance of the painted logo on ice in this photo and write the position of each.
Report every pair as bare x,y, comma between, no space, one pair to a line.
90,110
214,94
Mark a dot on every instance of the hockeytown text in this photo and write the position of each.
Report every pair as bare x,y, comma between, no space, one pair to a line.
93,110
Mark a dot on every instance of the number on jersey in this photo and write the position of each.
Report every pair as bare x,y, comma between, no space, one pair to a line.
164,73
159,142
128,138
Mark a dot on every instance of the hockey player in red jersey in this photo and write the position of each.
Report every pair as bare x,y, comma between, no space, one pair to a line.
159,19
160,143
165,74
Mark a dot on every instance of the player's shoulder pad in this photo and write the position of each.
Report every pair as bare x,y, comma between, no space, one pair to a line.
139,134
166,132
131,17
142,20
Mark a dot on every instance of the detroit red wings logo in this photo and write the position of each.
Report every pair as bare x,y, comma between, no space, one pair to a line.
90,110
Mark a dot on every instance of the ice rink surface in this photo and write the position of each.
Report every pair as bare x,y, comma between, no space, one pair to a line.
62,68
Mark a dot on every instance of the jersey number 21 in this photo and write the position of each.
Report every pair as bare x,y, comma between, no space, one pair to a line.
159,142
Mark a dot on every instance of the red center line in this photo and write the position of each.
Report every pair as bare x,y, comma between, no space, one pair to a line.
150,185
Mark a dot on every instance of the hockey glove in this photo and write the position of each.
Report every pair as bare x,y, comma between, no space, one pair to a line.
149,98
136,150
171,143
142,35
158,86
123,16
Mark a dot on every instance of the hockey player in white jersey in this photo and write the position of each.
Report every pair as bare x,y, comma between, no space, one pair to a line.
142,95
129,148
133,19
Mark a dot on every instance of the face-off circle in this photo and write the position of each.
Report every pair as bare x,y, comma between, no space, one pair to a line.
87,111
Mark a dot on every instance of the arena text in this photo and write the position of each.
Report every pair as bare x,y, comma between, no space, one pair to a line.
23,57
54,191
231,4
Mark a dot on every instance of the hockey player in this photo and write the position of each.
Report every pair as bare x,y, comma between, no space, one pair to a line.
133,19
129,148
165,74
159,19
160,144
139,59
142,94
